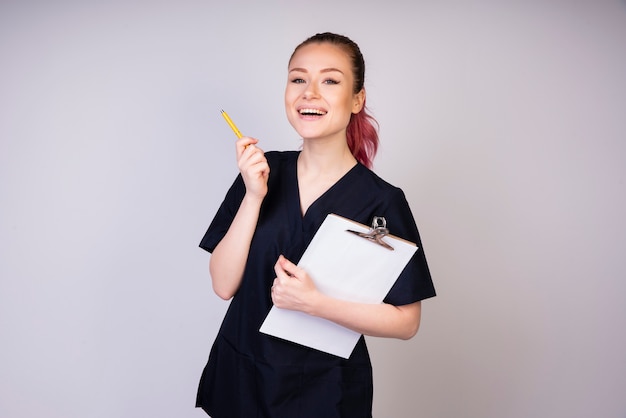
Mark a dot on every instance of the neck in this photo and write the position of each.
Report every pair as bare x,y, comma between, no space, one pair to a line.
319,156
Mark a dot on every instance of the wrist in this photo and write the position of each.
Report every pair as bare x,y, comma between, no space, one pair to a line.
252,199
316,304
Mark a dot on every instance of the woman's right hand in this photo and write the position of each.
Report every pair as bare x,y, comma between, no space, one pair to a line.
253,167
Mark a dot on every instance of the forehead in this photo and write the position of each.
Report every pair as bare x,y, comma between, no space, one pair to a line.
319,56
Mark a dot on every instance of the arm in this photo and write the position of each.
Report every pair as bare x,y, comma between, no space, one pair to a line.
294,289
228,259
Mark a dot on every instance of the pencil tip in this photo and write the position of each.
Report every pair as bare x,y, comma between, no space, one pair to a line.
222,111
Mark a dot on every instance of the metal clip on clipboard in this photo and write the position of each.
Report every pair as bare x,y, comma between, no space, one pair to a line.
376,233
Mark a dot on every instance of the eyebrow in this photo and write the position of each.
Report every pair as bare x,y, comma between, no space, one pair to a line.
325,70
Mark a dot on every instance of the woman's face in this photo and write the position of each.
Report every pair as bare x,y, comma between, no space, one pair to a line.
318,98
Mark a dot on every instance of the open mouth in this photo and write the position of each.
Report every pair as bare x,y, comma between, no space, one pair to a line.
311,112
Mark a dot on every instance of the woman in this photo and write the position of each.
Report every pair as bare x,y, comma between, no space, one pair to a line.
262,228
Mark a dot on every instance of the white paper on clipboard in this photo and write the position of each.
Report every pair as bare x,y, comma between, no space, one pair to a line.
344,266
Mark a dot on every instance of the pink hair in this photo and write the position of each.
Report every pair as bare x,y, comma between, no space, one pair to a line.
362,133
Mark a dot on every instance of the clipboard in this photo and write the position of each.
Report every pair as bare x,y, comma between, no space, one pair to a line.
349,261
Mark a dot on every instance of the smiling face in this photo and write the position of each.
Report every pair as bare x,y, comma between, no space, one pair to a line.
319,98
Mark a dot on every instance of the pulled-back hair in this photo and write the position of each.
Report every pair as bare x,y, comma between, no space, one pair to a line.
362,132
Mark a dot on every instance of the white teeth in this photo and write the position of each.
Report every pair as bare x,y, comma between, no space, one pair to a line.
311,112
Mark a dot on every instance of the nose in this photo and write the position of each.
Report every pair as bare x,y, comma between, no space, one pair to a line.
310,91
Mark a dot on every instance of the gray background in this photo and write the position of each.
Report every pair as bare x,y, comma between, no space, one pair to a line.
503,121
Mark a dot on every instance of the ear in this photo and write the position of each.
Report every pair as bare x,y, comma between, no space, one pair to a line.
358,101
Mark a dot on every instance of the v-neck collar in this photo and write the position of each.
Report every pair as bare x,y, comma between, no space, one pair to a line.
296,189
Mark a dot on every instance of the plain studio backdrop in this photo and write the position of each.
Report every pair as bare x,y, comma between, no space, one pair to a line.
503,121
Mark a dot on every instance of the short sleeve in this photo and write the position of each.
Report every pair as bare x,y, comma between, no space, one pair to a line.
224,216
415,282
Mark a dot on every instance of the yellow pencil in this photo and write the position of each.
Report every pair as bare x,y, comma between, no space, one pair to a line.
231,124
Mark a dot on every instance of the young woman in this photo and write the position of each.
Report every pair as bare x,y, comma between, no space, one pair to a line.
262,228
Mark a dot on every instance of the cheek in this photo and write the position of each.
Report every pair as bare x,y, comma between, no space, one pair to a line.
287,97
292,91
289,100
289,111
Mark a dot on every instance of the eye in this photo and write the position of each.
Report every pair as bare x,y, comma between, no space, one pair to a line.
297,80
331,81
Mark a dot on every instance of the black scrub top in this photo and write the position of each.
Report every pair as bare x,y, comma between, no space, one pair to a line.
250,374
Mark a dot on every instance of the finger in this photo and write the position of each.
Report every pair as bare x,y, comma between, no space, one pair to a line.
244,143
288,267
252,155
254,162
255,156
278,269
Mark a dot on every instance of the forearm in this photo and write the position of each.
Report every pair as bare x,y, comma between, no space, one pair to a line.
377,320
293,289
228,260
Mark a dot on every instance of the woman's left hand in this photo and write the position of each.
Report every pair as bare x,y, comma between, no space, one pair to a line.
293,288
